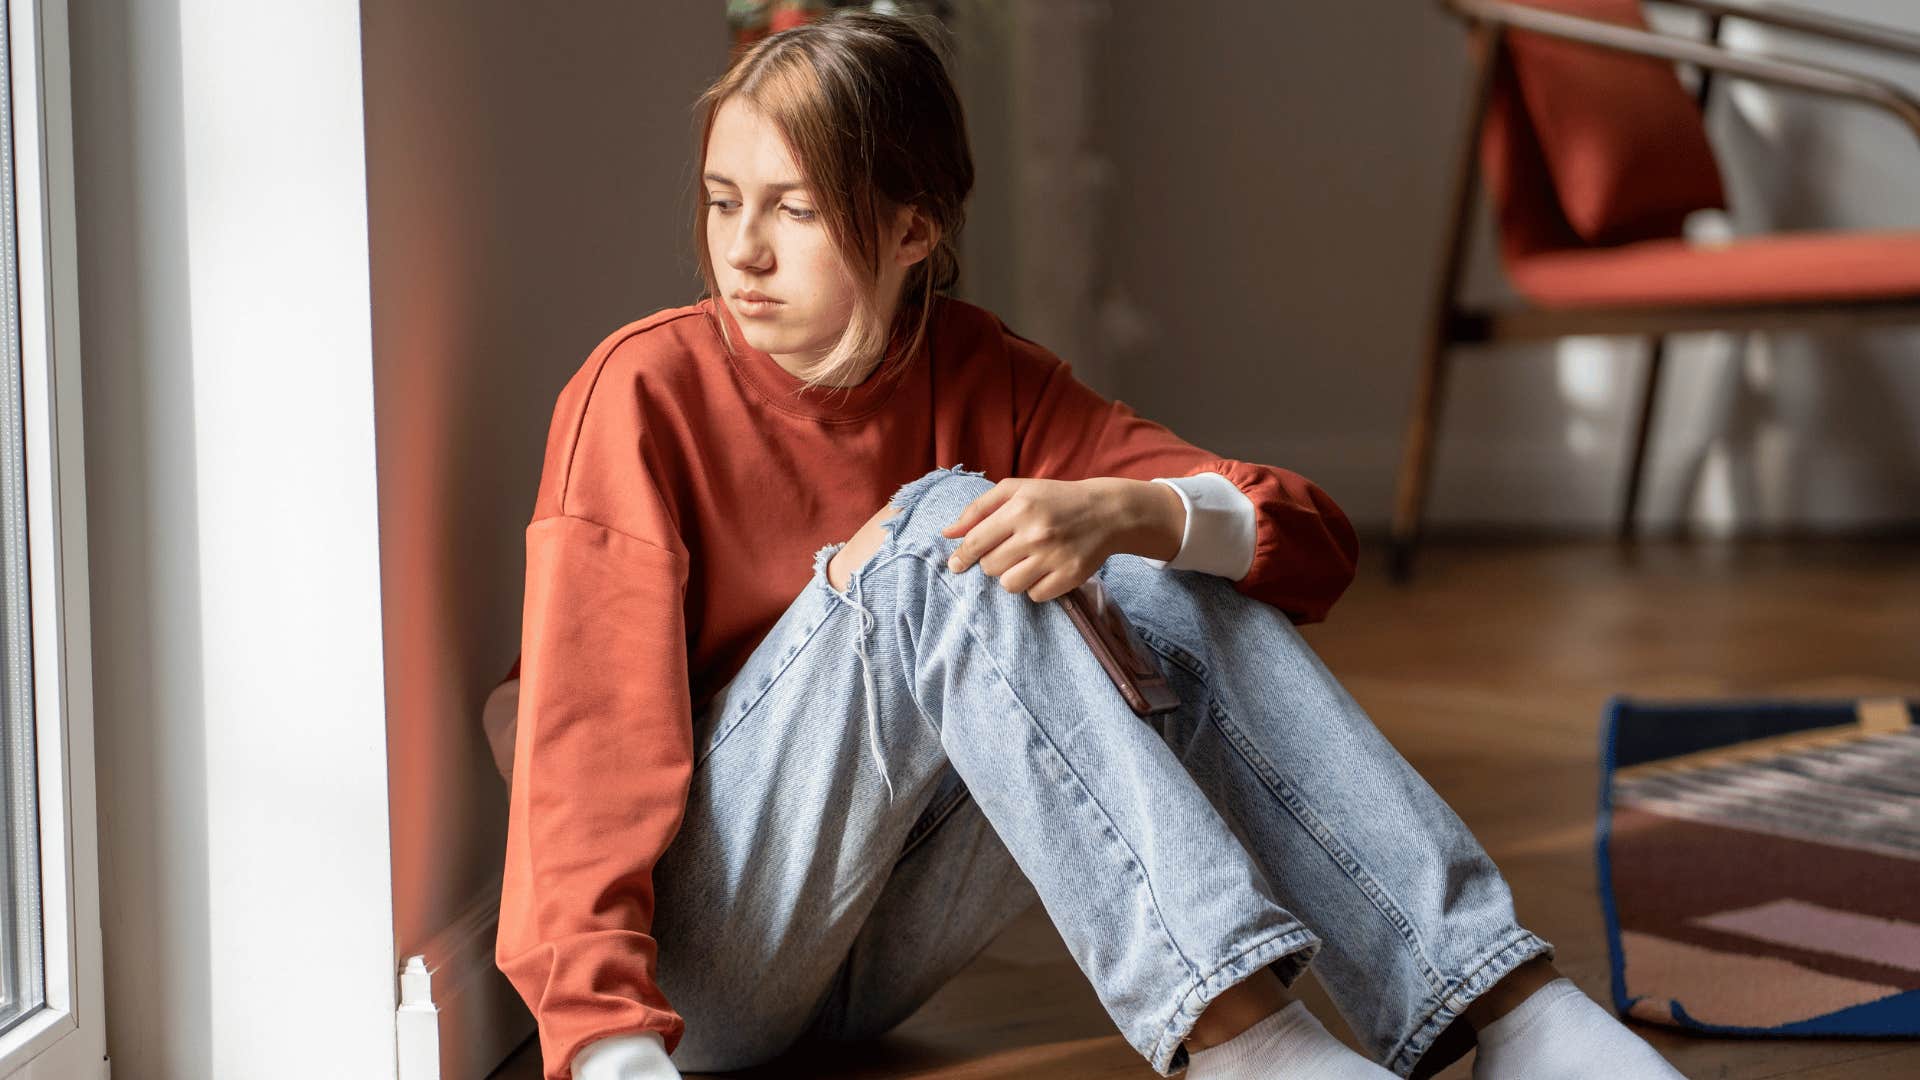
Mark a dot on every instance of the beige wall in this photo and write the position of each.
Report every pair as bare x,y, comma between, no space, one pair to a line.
1277,199
527,174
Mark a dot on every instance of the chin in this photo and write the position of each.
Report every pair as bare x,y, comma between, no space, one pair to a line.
759,338
772,339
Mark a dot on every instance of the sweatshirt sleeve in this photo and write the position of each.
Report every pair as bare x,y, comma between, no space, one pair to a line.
602,759
1304,551
603,746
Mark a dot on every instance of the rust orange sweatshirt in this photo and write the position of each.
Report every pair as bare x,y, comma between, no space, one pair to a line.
683,495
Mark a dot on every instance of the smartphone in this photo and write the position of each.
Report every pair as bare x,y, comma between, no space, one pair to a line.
1134,669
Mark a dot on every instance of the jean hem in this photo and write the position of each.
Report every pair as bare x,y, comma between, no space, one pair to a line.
1502,957
1294,940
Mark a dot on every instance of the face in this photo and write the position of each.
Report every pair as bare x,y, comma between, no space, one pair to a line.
764,234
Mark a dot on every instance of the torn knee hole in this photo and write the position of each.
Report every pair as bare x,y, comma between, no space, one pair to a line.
856,552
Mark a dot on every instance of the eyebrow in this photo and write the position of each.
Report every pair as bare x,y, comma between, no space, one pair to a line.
787,185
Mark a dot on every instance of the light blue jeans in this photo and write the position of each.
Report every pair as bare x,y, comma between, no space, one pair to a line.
838,864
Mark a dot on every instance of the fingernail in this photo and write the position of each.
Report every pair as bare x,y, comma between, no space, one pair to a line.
953,565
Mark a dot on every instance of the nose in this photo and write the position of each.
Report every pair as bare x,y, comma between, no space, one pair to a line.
747,249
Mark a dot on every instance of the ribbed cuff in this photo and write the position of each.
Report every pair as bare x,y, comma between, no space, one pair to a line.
1219,534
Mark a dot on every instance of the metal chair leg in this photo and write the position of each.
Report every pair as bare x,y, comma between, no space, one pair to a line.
1642,429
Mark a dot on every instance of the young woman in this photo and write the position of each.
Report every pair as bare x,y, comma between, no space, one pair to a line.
758,803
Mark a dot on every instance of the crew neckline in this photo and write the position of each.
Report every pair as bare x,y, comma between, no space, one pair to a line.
787,391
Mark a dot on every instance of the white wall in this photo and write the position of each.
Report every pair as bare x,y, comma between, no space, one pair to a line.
530,184
233,543
1808,430
1277,201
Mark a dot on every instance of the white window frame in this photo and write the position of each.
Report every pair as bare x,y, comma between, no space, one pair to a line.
66,1037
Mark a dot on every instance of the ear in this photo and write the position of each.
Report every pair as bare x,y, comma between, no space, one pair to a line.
918,236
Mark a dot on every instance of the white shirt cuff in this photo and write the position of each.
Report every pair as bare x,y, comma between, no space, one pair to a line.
641,1055
1219,534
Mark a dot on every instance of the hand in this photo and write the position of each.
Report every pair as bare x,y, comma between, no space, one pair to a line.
1046,537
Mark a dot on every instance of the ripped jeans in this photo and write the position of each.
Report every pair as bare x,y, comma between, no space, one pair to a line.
900,770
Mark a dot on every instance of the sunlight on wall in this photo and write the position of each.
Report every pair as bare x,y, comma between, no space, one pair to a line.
1770,441
1588,371
1766,430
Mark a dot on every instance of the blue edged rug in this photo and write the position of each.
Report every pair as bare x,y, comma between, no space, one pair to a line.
1760,865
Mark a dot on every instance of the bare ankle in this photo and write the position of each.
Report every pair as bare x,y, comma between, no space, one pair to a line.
1517,986
1238,1008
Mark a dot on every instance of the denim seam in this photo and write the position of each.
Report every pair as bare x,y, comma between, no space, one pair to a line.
1445,1011
931,821
1298,807
1415,1045
999,669
887,553
963,792
913,655
1294,937
1311,821
1171,650
760,693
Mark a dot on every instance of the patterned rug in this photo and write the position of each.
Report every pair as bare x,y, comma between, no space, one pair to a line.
1760,865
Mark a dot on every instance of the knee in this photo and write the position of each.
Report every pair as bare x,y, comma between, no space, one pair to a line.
928,504
921,508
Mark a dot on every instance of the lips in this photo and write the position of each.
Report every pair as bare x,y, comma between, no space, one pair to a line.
753,295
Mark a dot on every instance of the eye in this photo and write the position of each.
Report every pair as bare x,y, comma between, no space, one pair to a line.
799,213
718,204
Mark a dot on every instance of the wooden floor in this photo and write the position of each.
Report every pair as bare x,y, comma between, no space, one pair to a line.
1489,673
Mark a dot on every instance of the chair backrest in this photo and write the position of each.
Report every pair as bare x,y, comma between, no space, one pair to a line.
1589,147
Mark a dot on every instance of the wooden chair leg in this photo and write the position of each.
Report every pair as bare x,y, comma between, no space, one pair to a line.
1643,428
1416,462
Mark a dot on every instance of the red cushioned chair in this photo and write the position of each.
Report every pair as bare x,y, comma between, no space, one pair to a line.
1593,154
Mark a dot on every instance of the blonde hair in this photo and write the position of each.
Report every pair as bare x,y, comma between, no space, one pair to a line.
869,112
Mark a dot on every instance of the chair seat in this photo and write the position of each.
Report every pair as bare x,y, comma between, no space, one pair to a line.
1801,267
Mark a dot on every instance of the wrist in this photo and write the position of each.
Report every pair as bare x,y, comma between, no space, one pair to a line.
1154,522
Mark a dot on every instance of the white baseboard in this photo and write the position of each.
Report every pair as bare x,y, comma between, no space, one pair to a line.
482,1018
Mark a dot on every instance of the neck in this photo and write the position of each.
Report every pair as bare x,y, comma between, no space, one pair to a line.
798,363
798,366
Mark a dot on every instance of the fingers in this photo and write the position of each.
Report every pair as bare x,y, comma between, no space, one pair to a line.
1036,560
1040,577
987,502
1053,586
1022,576
985,537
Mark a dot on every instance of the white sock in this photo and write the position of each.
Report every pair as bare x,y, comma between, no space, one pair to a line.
1290,1043
1559,1033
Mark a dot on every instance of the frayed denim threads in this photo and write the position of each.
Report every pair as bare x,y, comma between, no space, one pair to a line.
905,498
820,559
